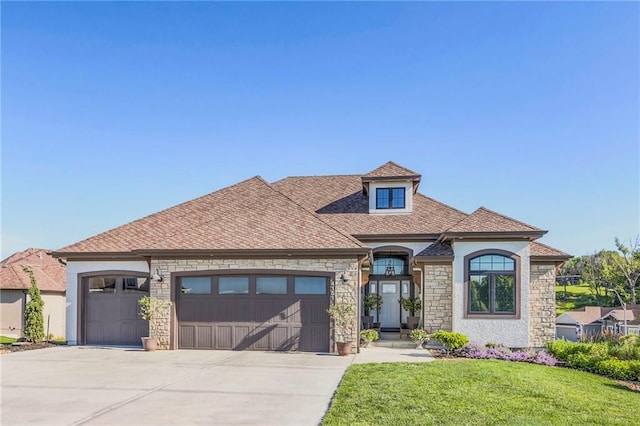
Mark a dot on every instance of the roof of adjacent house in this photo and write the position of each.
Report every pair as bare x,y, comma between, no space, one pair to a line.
591,314
295,213
49,273
250,215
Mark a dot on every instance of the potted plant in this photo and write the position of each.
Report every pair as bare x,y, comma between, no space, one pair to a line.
368,336
342,316
419,336
150,308
371,302
411,305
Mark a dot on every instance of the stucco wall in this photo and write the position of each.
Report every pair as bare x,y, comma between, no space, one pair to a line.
11,312
542,304
341,292
510,332
55,307
54,312
73,269
416,247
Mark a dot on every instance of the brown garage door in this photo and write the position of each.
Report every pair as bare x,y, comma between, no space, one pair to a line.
111,310
275,313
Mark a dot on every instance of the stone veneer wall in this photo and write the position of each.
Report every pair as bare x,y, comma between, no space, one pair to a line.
437,304
542,304
341,292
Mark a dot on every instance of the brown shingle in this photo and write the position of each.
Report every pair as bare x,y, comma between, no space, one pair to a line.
339,201
543,250
391,169
485,220
248,215
48,272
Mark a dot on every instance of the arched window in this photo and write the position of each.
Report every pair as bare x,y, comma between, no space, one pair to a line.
492,284
384,265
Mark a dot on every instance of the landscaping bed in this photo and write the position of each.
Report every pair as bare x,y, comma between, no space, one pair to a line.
8,348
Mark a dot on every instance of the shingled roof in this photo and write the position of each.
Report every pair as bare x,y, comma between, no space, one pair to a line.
538,249
339,201
485,220
437,249
391,170
250,215
49,273
297,213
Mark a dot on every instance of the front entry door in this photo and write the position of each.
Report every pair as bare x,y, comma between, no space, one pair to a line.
390,312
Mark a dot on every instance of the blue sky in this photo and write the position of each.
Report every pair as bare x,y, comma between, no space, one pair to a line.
112,111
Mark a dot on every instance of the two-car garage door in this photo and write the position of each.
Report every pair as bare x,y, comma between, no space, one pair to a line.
254,312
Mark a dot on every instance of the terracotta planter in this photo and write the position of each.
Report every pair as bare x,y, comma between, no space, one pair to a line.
149,343
344,348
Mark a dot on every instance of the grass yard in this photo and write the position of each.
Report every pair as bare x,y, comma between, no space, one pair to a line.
6,340
478,392
577,297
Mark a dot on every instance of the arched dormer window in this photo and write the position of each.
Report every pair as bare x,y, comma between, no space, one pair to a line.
492,286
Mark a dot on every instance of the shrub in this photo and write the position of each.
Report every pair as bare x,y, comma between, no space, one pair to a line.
419,335
33,312
369,335
561,348
450,339
619,369
581,361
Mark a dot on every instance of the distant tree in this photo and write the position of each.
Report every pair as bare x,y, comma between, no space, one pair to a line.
627,265
33,313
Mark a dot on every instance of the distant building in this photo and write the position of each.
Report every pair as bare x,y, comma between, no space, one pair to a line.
50,276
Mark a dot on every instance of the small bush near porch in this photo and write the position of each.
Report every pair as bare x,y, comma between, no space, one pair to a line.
483,392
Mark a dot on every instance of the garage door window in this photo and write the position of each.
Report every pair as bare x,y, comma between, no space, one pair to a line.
271,285
135,285
102,285
195,285
233,285
310,285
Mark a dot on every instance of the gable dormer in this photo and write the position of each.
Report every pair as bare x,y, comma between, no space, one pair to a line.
390,189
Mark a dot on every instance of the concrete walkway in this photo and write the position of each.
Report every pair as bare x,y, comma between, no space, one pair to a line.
389,354
127,386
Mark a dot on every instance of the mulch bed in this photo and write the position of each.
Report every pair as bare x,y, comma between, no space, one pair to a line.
9,347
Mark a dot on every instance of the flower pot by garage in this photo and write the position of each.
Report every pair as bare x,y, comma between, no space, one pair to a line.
149,343
344,348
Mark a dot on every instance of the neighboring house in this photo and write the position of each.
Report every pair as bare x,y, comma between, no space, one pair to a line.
592,320
50,276
255,266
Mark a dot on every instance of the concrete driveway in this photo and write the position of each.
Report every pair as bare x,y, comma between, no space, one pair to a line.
85,385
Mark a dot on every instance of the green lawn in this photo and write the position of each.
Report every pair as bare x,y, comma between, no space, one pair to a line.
577,297
478,392
5,340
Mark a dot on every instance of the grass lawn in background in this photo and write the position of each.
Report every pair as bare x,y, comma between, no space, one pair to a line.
478,392
577,297
5,340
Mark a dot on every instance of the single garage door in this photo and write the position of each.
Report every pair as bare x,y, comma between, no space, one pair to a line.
111,310
254,312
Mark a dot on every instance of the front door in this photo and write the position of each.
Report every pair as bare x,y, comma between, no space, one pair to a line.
390,312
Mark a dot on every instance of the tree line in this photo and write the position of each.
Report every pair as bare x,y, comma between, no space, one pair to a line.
607,270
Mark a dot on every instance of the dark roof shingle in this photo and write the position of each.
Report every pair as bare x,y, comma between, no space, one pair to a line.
248,215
